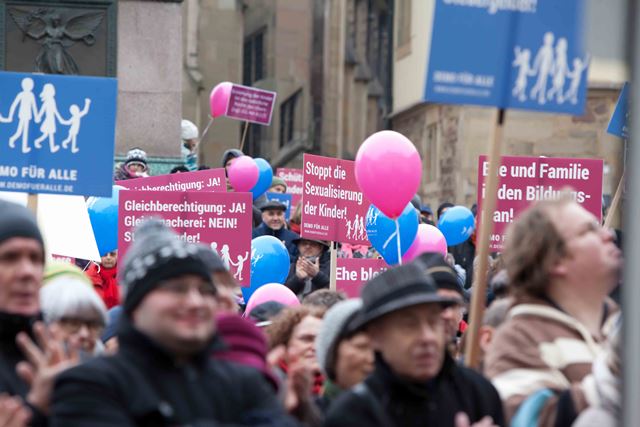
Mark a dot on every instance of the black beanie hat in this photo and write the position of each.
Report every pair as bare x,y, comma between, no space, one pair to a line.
157,254
442,273
18,221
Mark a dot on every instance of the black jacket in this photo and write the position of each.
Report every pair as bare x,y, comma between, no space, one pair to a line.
10,356
464,254
455,389
142,385
321,280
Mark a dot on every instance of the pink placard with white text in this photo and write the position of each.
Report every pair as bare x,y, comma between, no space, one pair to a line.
353,273
524,180
221,220
334,208
204,180
295,180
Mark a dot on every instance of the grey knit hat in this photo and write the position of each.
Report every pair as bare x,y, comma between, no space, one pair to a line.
157,254
18,221
335,327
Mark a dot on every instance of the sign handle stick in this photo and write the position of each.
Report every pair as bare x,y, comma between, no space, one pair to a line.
615,203
334,266
398,234
32,203
478,299
204,133
244,136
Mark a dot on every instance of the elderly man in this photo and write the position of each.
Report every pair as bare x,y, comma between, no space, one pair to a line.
415,381
274,224
163,373
25,370
562,265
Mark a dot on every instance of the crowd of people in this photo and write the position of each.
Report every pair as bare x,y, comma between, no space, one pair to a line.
162,337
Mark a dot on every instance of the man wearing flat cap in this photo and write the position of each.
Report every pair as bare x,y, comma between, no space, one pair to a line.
274,224
415,381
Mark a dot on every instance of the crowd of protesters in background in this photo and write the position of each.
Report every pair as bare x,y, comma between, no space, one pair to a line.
163,337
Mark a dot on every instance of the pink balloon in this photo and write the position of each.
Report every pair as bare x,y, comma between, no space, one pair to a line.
428,239
388,170
243,173
271,292
219,99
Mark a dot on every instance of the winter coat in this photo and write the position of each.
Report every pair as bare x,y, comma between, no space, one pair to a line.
287,236
539,346
143,385
10,356
397,402
105,283
464,254
303,287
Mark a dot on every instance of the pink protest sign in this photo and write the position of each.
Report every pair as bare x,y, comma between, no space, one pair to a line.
334,208
251,104
524,180
204,180
353,273
221,220
294,179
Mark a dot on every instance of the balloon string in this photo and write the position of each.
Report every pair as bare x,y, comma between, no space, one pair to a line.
204,133
399,250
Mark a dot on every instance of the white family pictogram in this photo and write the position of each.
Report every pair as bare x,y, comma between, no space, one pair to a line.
550,61
356,229
225,256
47,116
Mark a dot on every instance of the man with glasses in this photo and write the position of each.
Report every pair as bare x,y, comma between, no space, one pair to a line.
561,265
163,373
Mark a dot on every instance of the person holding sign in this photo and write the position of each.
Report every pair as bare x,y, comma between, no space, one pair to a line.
562,265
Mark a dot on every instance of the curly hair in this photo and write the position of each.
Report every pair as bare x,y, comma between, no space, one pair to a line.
282,326
533,246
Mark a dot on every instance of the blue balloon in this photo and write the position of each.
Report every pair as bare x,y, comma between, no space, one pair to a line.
381,231
264,178
269,263
457,225
103,214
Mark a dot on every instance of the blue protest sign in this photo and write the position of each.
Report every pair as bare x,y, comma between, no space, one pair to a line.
525,54
618,123
283,198
57,133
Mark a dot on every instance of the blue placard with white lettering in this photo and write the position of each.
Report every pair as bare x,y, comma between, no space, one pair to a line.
618,125
525,54
57,133
283,198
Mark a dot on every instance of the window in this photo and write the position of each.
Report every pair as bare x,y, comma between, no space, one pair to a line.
288,116
253,140
403,35
253,58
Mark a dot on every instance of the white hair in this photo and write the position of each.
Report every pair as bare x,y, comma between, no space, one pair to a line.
71,297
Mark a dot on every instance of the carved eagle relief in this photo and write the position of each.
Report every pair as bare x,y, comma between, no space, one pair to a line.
55,33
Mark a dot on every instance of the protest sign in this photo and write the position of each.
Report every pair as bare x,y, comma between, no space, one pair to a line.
204,180
524,54
294,179
251,104
334,208
524,180
283,198
57,134
353,273
221,220
618,125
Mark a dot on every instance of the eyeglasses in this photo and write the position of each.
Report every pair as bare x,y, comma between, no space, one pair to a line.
74,325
